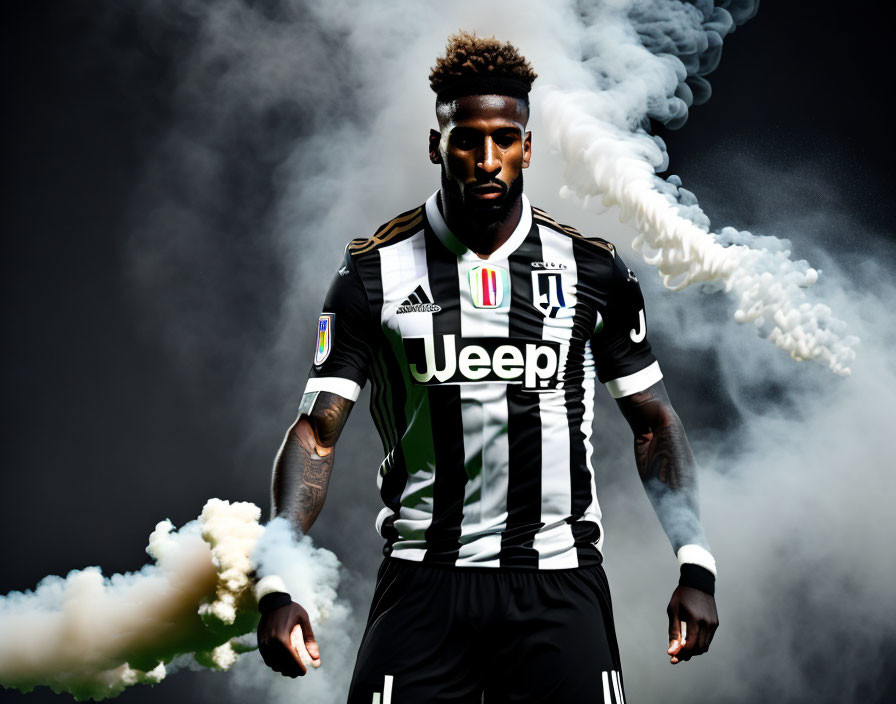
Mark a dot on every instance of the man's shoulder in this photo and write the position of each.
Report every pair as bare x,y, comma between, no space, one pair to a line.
597,245
397,229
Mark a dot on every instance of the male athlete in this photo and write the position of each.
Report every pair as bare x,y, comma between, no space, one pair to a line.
482,323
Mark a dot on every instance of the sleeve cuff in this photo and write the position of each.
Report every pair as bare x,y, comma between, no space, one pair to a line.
269,585
633,383
340,386
696,555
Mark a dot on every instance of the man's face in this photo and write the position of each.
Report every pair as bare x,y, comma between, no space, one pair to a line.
482,147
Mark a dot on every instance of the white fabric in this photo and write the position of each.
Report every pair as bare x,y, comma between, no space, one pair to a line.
268,585
696,555
346,388
633,383
402,269
555,542
485,417
606,683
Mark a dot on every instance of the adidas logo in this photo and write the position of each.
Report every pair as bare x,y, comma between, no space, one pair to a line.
418,302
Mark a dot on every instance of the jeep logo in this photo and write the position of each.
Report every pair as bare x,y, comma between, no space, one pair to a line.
447,360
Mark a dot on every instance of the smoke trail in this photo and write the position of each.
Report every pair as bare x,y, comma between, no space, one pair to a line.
796,493
645,61
93,636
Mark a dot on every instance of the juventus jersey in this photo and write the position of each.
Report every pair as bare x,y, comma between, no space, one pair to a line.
483,377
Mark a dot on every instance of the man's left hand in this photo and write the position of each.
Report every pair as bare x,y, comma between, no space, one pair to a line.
692,623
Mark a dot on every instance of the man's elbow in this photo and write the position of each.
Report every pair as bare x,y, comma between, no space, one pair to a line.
308,437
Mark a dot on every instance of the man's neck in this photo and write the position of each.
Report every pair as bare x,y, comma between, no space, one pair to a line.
483,240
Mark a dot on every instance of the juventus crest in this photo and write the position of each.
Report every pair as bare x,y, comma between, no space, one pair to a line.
547,292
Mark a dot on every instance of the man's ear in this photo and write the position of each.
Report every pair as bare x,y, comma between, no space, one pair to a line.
527,150
435,139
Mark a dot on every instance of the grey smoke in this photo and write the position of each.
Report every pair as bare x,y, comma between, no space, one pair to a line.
296,127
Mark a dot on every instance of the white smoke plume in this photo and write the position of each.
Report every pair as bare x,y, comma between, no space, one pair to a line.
635,61
313,576
93,636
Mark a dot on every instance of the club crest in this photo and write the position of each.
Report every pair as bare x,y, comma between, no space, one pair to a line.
547,292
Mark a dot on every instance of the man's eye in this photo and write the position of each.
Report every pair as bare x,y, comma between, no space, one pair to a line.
504,140
464,141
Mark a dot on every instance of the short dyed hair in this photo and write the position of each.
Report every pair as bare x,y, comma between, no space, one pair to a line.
475,65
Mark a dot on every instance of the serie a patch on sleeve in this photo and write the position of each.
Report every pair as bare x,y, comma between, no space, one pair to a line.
324,338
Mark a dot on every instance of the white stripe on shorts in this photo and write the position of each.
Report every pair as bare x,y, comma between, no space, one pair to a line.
607,699
617,687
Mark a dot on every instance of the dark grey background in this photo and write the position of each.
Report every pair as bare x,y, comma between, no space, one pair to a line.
104,434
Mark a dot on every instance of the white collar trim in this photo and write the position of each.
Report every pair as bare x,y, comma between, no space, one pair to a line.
450,240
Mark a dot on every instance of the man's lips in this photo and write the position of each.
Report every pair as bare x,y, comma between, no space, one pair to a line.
487,192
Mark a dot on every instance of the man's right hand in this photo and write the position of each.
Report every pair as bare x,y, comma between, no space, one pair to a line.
286,641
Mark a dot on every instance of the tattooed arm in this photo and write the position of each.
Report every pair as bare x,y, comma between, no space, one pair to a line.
301,476
669,475
665,464
303,465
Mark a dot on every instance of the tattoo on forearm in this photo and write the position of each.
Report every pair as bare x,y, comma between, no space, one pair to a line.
303,465
665,463
330,413
662,451
665,454
313,488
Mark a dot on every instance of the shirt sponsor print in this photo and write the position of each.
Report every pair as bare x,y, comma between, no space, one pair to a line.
448,359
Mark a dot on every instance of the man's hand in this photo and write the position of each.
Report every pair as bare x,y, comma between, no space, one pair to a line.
692,623
286,641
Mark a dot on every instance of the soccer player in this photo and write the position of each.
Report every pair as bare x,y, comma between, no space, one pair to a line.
481,324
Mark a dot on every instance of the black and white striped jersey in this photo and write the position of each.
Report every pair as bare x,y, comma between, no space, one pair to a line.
483,376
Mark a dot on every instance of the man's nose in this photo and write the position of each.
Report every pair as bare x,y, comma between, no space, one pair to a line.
489,161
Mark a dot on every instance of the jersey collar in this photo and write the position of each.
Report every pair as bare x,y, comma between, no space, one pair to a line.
450,240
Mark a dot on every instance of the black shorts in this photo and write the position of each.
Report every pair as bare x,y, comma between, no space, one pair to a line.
469,635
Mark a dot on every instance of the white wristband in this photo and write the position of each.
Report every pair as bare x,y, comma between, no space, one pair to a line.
268,585
696,555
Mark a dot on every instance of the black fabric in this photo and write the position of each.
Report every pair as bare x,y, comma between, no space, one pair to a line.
586,534
616,353
484,85
699,578
273,600
591,265
524,468
387,400
393,469
447,634
579,476
352,328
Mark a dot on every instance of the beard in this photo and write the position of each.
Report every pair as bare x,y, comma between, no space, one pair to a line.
476,214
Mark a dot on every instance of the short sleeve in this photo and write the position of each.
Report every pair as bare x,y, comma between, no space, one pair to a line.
342,351
622,354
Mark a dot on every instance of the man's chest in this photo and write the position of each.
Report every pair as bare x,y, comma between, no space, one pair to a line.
469,321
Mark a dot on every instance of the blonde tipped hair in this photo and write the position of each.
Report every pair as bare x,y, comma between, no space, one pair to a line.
468,55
